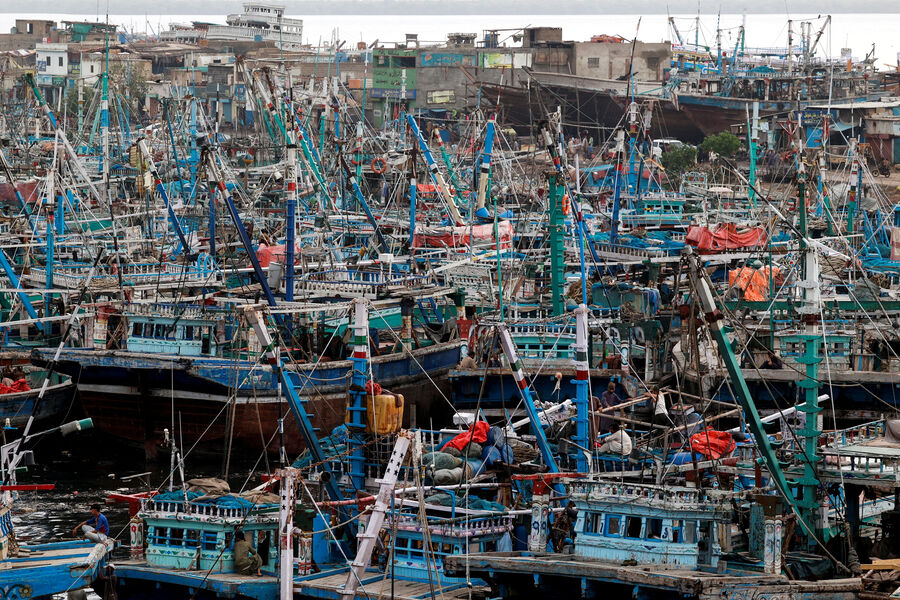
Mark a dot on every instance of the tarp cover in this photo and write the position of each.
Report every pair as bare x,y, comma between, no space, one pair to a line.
712,444
267,254
477,433
754,282
461,236
726,236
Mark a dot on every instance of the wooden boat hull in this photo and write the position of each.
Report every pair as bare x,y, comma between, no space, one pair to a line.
42,570
219,402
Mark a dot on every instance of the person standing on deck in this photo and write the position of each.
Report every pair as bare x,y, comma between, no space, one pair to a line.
96,528
608,399
660,412
246,559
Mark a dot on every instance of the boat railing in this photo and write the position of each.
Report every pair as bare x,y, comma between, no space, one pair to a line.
357,283
457,526
644,494
853,435
197,510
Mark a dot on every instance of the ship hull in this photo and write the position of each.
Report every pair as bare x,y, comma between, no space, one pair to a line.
217,404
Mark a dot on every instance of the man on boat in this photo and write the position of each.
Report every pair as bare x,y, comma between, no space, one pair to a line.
660,411
773,362
608,399
96,528
246,560
617,442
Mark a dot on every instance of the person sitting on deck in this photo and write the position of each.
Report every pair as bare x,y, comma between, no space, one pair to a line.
773,362
96,528
617,442
246,560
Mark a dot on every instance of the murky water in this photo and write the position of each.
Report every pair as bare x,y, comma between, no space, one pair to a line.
85,470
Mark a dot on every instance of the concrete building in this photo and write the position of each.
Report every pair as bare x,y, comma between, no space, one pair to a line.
612,60
28,32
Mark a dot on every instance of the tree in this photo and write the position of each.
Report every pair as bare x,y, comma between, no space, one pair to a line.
724,143
677,160
72,100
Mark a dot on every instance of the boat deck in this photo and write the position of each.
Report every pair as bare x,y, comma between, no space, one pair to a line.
329,584
559,575
138,574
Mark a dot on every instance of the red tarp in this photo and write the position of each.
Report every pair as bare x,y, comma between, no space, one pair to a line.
266,254
479,436
726,236
754,282
459,236
20,385
712,444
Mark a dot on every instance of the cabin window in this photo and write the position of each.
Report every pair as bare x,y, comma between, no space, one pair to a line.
188,332
208,540
633,527
160,331
654,529
176,536
263,545
613,525
137,329
690,532
229,537
191,538
673,533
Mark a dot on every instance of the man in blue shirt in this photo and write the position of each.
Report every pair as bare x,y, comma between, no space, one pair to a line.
96,528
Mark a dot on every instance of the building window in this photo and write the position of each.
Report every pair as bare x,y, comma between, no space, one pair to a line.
60,60
29,28
652,62
92,68
594,62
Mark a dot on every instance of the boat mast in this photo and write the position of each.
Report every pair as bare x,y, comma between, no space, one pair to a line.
810,311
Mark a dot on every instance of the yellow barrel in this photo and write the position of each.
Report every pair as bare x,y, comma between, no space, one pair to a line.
385,413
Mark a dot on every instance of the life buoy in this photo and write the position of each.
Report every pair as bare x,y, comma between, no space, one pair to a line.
565,204
379,165
356,152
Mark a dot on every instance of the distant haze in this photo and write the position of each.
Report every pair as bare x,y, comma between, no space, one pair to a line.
299,8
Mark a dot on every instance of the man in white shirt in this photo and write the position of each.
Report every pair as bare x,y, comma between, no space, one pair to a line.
617,442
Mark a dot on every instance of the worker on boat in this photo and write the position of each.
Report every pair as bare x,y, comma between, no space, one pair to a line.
96,528
660,411
246,559
773,362
617,442
608,399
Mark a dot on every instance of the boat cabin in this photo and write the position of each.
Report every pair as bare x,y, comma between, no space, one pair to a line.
649,524
199,535
476,533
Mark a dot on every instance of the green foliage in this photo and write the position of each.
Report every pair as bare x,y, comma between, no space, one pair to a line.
71,100
678,160
724,143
